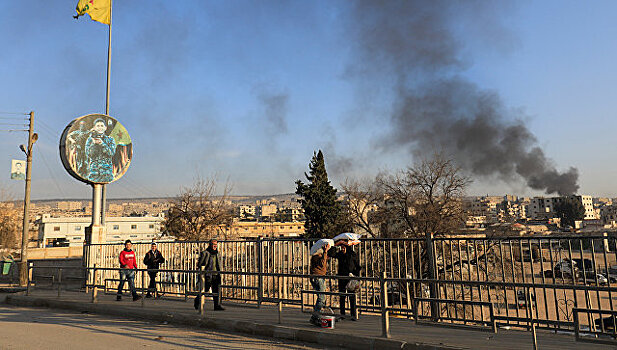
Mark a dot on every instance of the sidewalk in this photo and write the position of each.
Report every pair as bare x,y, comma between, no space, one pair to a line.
362,334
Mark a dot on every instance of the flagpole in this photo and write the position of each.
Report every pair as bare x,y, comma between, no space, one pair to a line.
104,188
99,192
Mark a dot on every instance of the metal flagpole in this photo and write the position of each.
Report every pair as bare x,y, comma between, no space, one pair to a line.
99,192
104,188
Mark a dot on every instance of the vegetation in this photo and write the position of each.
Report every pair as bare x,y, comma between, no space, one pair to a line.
325,216
569,210
10,221
198,213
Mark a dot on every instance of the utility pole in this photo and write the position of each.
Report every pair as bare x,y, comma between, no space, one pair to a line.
23,268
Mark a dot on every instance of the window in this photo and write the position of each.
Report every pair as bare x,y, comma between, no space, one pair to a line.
76,238
133,236
116,236
133,227
77,228
117,227
56,228
150,226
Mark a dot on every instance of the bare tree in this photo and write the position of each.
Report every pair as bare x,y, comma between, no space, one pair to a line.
198,213
425,198
10,221
364,205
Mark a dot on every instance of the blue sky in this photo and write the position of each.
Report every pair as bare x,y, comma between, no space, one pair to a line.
247,90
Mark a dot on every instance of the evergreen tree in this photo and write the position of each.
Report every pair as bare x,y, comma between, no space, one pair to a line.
324,215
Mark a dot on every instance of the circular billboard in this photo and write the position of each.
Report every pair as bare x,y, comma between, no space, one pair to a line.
96,148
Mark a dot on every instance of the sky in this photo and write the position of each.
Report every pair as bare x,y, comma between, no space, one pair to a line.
246,91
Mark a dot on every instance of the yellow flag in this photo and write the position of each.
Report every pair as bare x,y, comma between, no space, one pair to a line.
99,10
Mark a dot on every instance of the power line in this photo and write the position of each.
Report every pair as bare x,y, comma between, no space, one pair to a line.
14,113
49,129
53,178
14,124
13,130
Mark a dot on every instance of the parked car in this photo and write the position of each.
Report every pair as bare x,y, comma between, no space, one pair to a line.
585,264
590,278
566,269
521,300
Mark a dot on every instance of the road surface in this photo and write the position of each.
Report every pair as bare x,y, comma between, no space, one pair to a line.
24,328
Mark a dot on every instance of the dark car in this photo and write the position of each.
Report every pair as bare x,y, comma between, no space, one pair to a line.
521,300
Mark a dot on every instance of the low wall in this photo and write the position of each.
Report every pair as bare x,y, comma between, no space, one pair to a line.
55,253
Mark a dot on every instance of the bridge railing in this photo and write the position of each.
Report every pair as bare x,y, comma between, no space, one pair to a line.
561,273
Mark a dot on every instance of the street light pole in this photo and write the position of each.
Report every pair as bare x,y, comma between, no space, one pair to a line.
32,137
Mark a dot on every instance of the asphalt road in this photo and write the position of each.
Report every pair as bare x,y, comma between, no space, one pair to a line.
24,328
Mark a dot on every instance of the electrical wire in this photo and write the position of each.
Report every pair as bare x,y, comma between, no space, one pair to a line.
14,113
49,129
51,174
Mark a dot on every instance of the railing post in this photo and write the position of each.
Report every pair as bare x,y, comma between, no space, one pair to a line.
94,286
202,290
491,309
30,267
59,281
260,270
280,302
385,317
533,324
432,273
143,289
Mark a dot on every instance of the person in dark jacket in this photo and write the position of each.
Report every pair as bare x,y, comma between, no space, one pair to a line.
348,262
153,260
210,260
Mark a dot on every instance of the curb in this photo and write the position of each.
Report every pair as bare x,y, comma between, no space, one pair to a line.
12,289
245,327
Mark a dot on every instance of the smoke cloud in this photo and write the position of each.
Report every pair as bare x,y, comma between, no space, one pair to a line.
434,107
275,112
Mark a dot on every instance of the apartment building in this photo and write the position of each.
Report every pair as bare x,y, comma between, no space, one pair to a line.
70,231
252,229
541,208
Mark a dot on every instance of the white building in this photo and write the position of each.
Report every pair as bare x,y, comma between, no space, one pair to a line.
247,211
70,231
544,208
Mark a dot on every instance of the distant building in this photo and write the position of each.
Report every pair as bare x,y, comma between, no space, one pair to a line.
70,231
69,205
266,210
486,207
541,208
245,211
250,229
291,214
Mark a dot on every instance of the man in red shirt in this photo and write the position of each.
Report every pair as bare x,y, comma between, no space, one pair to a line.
128,264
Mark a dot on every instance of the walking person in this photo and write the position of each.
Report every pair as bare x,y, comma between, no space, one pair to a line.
319,267
210,260
128,264
153,259
348,263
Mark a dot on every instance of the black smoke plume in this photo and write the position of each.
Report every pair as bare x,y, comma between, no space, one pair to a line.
415,45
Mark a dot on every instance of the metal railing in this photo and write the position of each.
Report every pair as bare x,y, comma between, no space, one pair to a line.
512,281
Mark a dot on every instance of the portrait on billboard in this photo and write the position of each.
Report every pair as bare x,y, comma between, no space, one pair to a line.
96,148
18,169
